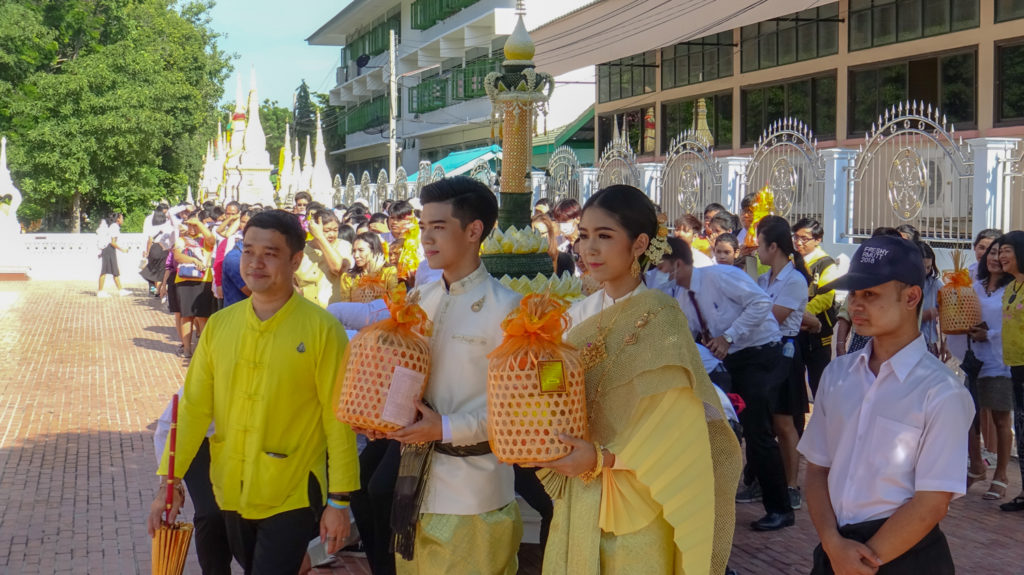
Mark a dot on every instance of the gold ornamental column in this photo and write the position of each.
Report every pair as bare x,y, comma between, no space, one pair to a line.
517,93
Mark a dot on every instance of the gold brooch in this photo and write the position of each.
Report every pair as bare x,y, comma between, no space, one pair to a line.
478,304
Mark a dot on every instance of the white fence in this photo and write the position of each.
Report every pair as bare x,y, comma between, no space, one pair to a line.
76,257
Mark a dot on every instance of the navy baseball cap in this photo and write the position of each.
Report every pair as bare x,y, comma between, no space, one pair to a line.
879,260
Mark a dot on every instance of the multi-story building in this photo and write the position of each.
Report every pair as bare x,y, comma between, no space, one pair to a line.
836,66
445,49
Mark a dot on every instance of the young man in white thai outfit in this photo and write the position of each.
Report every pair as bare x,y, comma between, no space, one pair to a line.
469,521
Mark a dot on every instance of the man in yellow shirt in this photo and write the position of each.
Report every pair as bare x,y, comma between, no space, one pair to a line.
264,371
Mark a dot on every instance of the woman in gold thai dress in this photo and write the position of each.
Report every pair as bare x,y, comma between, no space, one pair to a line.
651,490
371,277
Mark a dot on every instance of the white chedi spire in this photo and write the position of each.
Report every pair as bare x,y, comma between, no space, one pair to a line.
254,166
306,177
320,177
7,188
254,146
13,257
237,120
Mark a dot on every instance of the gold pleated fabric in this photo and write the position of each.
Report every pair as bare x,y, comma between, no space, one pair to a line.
170,548
677,460
484,544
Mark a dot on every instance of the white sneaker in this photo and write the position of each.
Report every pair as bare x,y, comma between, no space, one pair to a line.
124,292
102,294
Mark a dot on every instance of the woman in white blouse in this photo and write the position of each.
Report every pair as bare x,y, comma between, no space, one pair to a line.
994,389
786,284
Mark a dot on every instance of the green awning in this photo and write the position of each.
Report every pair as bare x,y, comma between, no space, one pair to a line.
457,163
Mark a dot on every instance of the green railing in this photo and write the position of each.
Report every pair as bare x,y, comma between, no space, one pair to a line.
468,82
426,13
367,115
429,95
375,40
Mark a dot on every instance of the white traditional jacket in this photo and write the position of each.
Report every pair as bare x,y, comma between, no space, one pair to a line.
467,320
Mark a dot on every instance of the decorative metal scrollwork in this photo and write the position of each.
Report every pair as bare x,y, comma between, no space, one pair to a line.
783,184
688,194
907,184
563,180
401,184
437,174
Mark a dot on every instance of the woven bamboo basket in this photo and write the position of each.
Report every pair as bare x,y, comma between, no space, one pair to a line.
373,355
525,414
959,307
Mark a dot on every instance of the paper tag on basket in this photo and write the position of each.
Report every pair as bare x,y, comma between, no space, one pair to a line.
400,406
552,376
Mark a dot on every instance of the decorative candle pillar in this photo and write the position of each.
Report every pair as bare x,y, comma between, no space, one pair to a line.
517,93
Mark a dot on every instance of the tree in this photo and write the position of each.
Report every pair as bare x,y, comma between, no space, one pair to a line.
114,109
305,114
274,118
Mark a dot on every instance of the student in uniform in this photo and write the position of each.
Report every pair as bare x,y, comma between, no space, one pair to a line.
731,315
886,446
786,284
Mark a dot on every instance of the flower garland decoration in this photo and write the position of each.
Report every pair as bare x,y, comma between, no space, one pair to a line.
658,246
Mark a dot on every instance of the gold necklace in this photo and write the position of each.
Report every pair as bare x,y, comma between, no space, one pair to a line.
631,339
596,351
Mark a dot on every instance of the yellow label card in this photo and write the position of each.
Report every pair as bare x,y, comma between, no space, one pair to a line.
552,376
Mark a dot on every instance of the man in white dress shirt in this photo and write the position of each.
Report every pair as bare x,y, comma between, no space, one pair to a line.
886,446
469,521
730,315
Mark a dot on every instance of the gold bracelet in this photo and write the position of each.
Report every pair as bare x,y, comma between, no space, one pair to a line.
589,476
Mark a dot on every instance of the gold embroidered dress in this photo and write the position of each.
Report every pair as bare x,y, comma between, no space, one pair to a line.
666,507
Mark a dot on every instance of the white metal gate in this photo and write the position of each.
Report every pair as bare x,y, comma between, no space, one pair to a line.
563,177
691,178
913,170
787,162
618,164
401,184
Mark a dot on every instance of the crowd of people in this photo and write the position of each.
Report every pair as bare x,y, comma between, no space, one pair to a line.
714,330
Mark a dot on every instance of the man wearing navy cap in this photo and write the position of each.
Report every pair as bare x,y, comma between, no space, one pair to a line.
886,446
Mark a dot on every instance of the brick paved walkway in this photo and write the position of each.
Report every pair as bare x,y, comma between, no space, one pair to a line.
84,379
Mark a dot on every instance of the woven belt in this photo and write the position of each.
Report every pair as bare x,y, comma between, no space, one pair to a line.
482,448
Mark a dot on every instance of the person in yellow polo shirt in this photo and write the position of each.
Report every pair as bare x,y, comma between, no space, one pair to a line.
264,371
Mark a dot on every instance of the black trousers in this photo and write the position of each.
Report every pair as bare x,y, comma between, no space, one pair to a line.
532,491
816,358
275,545
211,534
757,374
371,504
930,556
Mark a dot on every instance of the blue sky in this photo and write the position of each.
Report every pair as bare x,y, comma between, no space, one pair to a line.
271,35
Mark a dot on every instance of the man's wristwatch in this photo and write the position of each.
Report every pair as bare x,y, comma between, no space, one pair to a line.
727,338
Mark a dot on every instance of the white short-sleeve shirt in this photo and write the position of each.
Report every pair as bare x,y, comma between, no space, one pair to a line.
789,290
886,437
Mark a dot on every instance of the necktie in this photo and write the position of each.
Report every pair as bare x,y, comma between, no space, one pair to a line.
705,334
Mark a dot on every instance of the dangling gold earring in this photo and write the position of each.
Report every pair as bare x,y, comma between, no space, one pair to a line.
634,270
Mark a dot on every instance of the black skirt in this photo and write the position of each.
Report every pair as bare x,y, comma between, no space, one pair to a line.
156,264
108,262
195,298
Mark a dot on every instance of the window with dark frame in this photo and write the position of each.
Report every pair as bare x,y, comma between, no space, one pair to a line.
876,23
946,81
677,117
700,60
1007,10
810,100
1009,88
804,35
626,77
